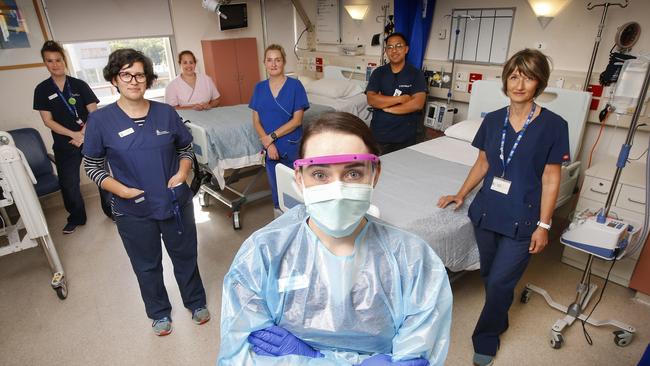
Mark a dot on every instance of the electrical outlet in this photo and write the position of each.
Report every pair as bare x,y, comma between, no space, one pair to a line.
460,86
442,34
461,76
445,81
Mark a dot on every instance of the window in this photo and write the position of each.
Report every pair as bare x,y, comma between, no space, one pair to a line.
87,61
484,35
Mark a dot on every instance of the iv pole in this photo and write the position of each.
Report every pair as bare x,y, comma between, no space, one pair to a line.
605,6
453,60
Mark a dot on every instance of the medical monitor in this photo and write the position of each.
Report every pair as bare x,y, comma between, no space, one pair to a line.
236,16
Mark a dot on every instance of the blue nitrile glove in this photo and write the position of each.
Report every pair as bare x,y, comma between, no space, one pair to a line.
385,360
277,341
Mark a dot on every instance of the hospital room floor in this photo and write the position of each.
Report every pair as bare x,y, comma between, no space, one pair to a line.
102,322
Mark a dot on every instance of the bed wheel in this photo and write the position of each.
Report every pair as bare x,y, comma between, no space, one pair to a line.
236,223
203,199
525,296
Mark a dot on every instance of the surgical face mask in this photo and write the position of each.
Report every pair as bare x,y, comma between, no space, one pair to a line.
337,208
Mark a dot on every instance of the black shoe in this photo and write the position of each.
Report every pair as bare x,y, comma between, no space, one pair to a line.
69,228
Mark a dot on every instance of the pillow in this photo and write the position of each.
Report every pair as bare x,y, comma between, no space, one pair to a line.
464,130
334,88
306,80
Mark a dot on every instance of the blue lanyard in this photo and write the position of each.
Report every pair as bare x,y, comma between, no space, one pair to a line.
71,109
519,137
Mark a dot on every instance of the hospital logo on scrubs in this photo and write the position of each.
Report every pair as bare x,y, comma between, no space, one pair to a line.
160,133
565,157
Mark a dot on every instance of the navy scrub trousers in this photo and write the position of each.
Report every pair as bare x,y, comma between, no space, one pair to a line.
67,163
141,238
503,261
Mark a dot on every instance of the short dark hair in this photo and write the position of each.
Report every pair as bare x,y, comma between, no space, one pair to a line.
53,46
127,57
341,122
398,34
186,52
532,63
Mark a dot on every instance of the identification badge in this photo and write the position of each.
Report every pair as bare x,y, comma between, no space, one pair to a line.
126,132
138,200
397,93
52,96
293,283
500,185
80,122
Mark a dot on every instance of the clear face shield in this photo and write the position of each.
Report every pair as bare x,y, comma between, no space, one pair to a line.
337,190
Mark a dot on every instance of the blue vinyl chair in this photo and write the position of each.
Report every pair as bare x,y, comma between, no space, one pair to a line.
29,141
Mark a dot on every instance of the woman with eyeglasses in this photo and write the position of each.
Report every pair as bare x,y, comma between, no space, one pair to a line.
191,90
150,155
278,105
327,284
64,104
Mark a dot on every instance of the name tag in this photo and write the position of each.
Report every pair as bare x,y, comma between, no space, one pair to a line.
293,283
141,199
126,132
397,93
500,185
52,96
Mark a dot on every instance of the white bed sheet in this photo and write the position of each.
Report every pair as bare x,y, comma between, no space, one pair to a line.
356,104
450,149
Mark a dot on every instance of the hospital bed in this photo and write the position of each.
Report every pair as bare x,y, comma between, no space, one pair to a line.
413,179
224,140
341,88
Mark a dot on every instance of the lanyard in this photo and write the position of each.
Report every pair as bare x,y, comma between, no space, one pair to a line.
71,102
519,137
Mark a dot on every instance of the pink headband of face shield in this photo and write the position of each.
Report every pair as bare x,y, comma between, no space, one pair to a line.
335,159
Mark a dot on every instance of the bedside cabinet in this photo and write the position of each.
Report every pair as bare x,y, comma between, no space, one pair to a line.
628,205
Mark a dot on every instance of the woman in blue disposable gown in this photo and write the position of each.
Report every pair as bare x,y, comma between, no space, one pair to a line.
522,147
278,105
326,284
149,152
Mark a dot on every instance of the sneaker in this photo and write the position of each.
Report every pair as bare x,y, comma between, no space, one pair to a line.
69,228
201,315
483,360
162,327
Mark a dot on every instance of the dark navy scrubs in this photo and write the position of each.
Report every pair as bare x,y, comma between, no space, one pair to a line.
67,157
146,158
504,223
275,112
398,129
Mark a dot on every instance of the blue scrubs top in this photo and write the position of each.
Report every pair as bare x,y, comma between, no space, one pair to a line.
140,157
395,128
274,112
546,141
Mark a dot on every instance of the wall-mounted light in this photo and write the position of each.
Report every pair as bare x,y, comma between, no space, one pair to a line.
357,12
546,10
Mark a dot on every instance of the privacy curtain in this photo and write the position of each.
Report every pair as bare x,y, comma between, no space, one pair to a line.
413,18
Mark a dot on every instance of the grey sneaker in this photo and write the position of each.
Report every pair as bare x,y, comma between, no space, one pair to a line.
201,315
162,327
483,360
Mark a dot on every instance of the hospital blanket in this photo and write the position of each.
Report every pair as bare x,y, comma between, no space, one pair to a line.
232,138
407,193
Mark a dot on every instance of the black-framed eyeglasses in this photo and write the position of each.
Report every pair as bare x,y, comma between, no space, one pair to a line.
127,77
397,46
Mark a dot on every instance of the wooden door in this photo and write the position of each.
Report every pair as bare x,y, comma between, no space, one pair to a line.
220,62
248,65
641,276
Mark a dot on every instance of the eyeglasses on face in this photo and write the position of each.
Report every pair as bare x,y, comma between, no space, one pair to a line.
396,46
127,77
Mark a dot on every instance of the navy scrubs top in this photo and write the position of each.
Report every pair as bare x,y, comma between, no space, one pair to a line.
46,98
546,141
140,157
395,128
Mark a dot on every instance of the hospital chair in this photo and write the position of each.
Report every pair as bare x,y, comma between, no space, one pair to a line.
29,141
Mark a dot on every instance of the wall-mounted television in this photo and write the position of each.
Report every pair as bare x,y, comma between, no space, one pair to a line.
236,15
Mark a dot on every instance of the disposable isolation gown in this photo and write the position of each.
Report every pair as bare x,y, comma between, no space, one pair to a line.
391,296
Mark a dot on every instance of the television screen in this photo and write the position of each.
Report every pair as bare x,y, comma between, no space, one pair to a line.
236,16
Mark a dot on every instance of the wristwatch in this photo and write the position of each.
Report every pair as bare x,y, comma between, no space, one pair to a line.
274,136
544,225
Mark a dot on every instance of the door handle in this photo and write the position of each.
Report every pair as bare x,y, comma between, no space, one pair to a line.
595,191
